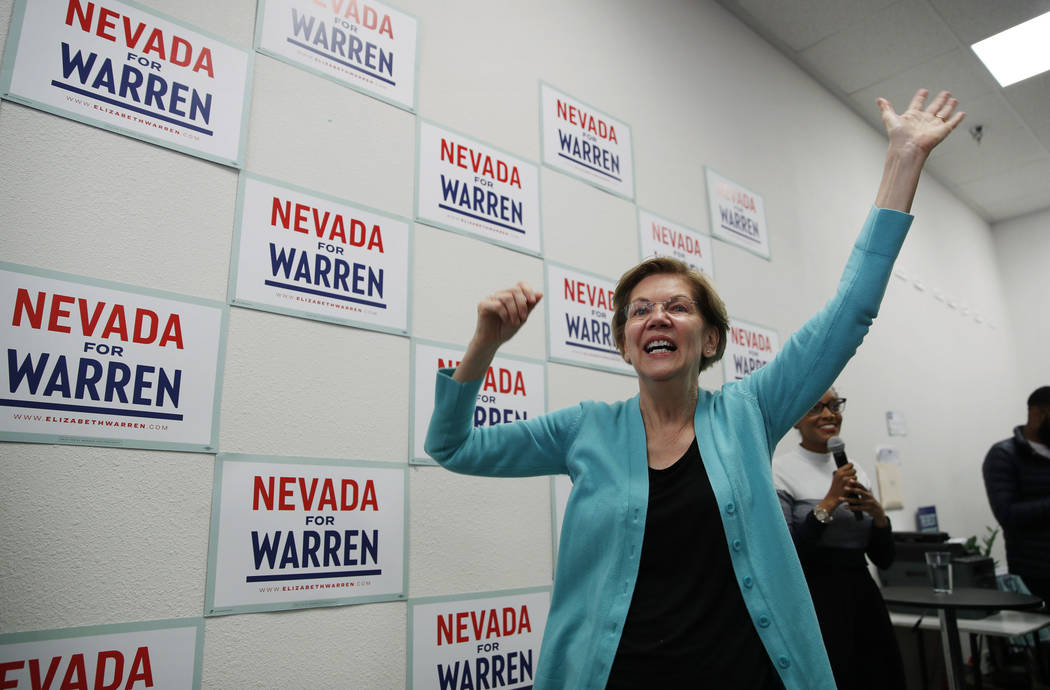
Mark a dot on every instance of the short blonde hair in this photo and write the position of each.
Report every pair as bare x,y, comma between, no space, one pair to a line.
712,308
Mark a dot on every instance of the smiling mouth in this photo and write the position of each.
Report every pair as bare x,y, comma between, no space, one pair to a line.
660,346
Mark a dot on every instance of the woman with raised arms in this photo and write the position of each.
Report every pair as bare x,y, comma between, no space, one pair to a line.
675,566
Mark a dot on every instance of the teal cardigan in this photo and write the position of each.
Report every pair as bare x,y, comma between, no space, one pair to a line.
602,448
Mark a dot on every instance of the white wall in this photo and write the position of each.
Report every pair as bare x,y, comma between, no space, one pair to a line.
99,535
1023,248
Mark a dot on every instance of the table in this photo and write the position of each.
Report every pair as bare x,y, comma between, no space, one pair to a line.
999,624
947,606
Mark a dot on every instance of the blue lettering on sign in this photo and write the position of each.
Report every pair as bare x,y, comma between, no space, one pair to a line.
592,331
338,46
591,156
89,375
491,206
151,90
738,223
494,671
745,365
322,271
490,416
336,548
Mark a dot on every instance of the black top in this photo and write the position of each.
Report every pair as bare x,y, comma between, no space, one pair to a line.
687,625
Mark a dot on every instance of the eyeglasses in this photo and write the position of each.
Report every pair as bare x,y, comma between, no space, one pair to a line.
676,306
835,405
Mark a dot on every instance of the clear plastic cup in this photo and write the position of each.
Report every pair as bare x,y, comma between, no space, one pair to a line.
939,568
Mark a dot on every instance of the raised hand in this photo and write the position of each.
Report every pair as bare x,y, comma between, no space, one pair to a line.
503,313
922,128
500,316
913,134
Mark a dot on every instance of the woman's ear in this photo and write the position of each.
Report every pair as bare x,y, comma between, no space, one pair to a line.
710,342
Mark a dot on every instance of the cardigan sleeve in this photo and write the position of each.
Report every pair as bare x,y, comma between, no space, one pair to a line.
525,448
813,356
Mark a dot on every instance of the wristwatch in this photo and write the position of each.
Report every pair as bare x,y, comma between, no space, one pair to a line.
823,516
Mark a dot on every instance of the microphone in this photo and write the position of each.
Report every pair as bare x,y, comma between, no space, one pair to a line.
837,448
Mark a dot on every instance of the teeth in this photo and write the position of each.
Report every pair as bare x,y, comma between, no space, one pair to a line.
661,345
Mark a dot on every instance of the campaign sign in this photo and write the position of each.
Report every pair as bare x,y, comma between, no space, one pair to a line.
738,215
368,46
303,532
126,656
750,347
660,237
579,320
468,187
586,143
514,388
488,640
97,363
304,254
122,67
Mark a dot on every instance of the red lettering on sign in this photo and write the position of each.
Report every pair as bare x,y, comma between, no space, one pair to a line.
108,672
327,225
350,494
497,379
146,323
676,240
586,121
480,163
736,196
177,50
366,16
585,293
750,339
455,628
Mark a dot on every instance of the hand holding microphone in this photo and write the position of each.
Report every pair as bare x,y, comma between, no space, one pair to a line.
849,475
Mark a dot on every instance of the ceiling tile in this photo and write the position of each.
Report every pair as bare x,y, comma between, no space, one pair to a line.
955,70
1003,134
999,151
881,45
861,49
1026,182
1031,99
1000,210
976,20
802,23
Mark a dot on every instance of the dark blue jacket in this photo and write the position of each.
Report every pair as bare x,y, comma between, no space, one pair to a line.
1018,483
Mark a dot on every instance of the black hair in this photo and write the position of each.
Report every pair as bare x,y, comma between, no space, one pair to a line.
1040,397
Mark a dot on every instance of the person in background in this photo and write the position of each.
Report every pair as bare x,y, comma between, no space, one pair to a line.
675,568
821,503
1017,479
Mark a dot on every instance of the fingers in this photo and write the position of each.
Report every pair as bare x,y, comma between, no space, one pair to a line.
938,103
955,119
946,109
918,99
512,305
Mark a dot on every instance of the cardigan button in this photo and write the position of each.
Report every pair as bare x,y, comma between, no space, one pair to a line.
763,621
749,582
730,508
737,544
783,662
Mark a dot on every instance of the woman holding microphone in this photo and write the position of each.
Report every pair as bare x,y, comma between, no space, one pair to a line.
675,566
835,521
